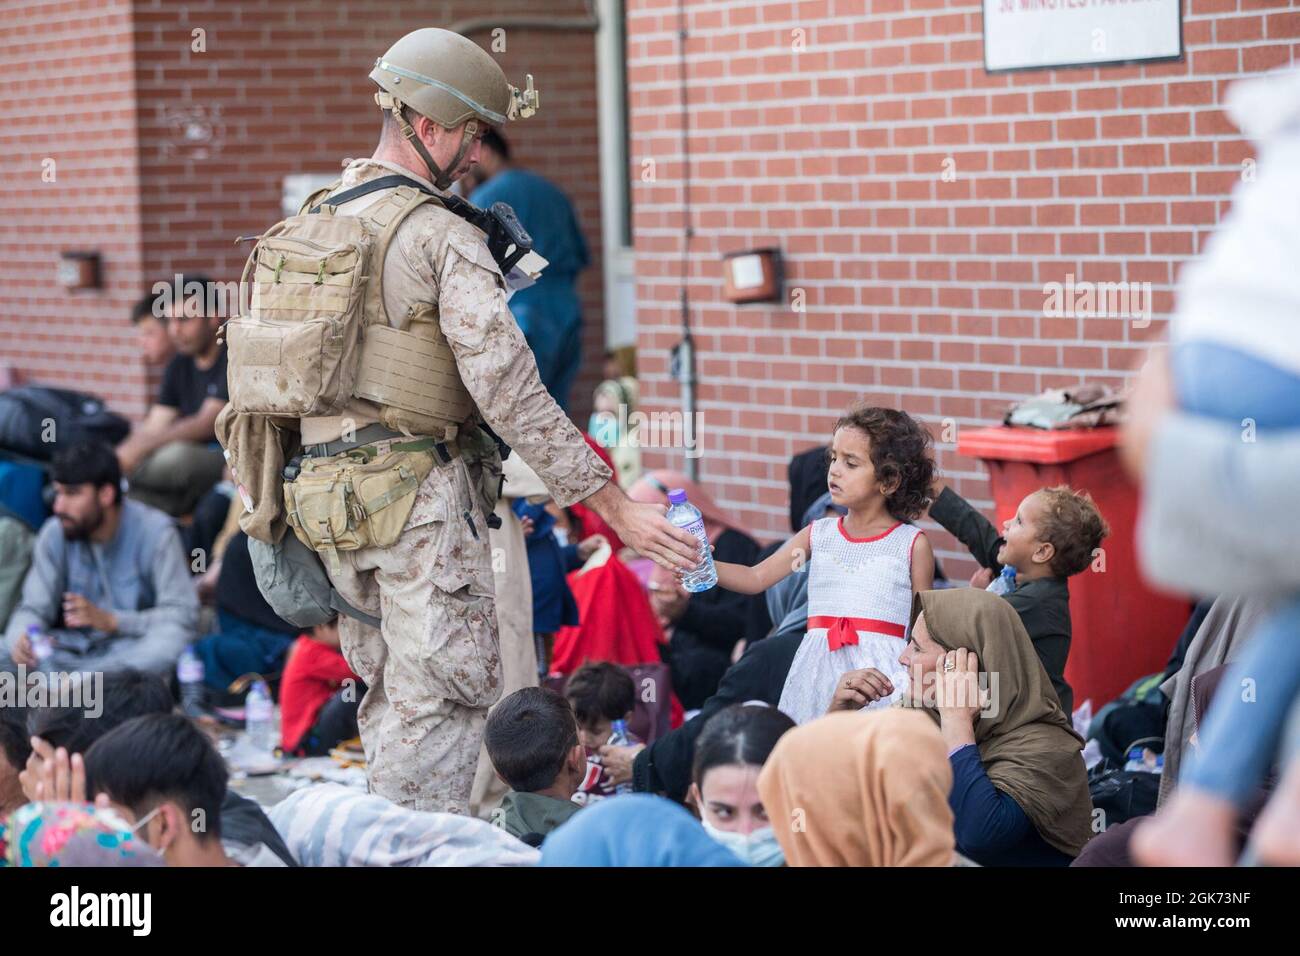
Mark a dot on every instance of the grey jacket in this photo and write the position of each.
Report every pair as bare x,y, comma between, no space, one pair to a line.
141,575
1217,516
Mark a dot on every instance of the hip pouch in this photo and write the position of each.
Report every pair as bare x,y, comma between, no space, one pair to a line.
346,503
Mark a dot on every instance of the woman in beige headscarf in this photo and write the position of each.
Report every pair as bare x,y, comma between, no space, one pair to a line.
1020,789
861,789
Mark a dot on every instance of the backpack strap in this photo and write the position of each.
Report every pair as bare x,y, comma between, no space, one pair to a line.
384,216
312,203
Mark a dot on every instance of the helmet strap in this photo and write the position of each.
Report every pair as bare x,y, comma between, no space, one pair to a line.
395,106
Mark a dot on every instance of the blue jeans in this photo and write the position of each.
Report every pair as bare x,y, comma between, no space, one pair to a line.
1243,731
240,647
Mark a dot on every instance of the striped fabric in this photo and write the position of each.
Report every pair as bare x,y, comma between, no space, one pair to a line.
329,824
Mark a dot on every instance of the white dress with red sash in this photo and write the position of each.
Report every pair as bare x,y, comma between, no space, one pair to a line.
859,606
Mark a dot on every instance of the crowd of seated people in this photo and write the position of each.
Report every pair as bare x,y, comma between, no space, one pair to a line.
827,698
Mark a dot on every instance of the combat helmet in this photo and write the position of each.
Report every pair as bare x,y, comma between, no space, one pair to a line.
452,80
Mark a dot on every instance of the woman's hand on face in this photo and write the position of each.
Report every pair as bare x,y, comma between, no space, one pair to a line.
957,692
856,689
618,762
52,775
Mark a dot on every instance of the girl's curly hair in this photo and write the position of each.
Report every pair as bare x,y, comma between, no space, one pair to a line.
900,453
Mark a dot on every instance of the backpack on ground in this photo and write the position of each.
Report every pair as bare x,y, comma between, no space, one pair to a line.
36,419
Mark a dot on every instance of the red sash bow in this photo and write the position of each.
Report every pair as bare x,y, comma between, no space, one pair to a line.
843,631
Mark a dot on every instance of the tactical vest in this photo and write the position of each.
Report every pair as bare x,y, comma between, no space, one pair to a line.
317,333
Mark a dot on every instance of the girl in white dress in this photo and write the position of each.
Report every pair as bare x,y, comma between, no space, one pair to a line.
864,567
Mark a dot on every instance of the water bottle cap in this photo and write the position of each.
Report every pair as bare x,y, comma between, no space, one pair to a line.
1008,571
677,496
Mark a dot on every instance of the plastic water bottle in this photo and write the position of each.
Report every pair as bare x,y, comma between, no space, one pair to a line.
619,737
1004,582
259,717
1144,761
686,516
42,643
189,673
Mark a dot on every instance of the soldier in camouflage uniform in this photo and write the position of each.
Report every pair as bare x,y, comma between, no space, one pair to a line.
433,668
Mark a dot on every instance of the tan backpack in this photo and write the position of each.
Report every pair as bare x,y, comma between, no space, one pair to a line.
316,333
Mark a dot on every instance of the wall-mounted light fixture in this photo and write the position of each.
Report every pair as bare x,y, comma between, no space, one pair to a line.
753,275
79,270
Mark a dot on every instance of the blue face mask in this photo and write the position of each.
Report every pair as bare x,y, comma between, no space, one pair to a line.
603,428
757,849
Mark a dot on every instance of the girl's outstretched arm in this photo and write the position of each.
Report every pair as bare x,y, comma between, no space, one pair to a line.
743,580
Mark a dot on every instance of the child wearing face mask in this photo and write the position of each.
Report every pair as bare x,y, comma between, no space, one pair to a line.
863,566
731,751
1052,536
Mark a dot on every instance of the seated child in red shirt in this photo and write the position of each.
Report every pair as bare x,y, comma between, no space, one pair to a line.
319,694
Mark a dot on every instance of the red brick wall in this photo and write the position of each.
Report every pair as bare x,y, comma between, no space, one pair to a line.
281,88
921,294
69,98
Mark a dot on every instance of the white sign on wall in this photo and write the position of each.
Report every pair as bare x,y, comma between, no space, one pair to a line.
1023,34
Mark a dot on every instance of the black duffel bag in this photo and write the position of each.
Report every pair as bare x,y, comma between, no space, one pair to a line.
37,419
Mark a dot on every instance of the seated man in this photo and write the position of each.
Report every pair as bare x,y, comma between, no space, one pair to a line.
109,584
16,540
63,735
532,741
172,457
164,776
151,332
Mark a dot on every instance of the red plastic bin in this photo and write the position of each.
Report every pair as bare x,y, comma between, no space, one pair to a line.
1121,628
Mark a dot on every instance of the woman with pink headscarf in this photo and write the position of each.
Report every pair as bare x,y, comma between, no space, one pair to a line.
704,627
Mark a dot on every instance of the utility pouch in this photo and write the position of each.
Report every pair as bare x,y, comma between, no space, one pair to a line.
345,503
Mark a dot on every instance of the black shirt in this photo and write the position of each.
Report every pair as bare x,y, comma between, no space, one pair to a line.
665,765
237,591
185,386
1043,605
711,624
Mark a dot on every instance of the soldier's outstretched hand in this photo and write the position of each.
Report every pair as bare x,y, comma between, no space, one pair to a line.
646,529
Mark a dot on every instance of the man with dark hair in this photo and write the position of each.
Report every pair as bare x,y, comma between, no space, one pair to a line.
124,695
549,312
532,741
163,774
109,583
156,346
172,457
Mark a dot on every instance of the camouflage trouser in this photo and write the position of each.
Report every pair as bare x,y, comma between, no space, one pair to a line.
434,668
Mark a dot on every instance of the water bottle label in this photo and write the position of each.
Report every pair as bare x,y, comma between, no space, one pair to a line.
696,528
190,670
